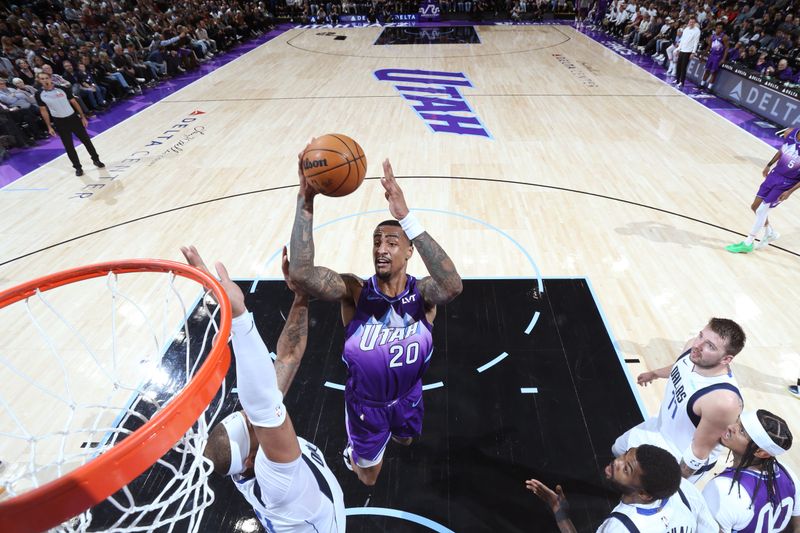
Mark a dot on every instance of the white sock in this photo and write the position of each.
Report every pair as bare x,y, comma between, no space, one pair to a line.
768,231
255,375
761,216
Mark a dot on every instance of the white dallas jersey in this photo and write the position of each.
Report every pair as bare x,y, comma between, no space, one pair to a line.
301,496
677,421
683,512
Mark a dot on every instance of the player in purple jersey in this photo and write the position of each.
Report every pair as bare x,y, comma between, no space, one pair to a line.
717,54
779,183
756,494
388,320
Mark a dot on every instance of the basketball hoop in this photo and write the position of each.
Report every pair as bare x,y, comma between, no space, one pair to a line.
32,504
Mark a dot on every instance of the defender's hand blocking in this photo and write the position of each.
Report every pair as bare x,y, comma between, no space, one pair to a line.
235,294
397,202
557,501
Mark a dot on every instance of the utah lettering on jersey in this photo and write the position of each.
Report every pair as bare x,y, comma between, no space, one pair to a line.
388,343
378,334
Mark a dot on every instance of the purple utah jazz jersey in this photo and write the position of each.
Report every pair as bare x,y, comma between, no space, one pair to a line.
788,165
717,45
388,343
766,518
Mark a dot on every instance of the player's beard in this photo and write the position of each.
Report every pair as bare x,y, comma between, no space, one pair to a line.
700,363
385,272
616,486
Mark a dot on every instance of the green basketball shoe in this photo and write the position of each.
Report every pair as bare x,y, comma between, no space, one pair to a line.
740,248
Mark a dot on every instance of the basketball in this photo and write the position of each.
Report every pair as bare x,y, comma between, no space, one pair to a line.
334,164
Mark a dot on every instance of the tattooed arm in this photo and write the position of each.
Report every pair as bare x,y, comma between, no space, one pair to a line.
292,343
294,335
444,283
318,282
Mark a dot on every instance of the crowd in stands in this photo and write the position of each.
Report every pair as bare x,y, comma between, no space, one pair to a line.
384,11
105,51
108,50
762,36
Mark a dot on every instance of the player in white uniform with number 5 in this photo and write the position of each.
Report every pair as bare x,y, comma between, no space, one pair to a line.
284,477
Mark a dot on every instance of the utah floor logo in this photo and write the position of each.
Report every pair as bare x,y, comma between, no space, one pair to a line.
436,98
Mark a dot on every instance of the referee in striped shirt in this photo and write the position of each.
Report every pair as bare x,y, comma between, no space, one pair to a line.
59,104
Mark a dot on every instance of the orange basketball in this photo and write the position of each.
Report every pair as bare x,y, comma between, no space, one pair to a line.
334,164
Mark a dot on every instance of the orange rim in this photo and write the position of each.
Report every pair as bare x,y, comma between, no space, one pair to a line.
93,482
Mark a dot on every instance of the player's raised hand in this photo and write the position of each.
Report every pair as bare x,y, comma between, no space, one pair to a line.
645,378
289,283
307,191
394,194
556,500
192,257
235,294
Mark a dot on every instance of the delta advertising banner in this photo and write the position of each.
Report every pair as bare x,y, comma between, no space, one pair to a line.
763,97
429,10
354,19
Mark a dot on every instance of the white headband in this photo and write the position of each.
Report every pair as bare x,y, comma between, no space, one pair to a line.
758,434
239,438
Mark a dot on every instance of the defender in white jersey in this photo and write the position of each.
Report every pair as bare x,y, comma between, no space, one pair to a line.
757,494
700,401
284,477
654,497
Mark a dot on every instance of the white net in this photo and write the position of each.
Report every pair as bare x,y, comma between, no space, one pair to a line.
90,363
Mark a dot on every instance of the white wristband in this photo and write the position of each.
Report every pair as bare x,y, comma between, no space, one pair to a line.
692,461
411,226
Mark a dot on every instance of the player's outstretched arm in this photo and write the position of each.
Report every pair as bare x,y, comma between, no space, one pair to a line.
256,380
259,393
444,283
294,335
556,500
316,281
645,378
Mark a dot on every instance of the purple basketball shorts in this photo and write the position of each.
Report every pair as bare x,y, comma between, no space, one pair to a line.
370,424
773,186
713,63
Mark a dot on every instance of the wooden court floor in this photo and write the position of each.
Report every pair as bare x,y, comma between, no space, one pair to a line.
594,168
